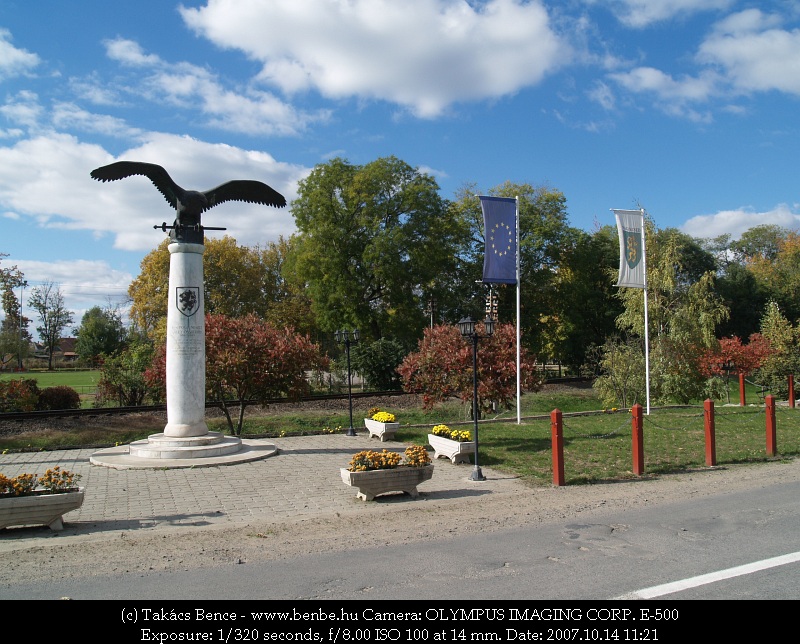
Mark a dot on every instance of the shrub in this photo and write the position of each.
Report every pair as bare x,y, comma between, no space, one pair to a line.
21,394
377,362
59,397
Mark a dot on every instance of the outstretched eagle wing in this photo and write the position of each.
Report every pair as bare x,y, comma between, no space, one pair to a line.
166,186
245,190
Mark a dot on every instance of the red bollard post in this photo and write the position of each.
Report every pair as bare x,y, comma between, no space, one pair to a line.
741,390
791,390
557,439
637,425
711,443
771,446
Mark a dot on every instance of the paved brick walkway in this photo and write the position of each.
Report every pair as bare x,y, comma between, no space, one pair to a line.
301,480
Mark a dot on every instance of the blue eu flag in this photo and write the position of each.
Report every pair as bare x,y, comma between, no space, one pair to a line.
500,232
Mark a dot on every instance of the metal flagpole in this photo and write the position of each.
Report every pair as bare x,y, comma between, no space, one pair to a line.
646,325
519,389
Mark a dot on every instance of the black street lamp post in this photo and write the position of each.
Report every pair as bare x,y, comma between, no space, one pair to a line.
347,338
727,366
467,328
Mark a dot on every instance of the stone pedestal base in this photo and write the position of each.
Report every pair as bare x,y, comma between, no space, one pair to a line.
163,446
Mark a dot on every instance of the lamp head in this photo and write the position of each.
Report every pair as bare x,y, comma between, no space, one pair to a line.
466,326
488,325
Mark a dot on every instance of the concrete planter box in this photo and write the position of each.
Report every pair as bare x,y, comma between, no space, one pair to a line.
39,509
456,451
384,431
400,479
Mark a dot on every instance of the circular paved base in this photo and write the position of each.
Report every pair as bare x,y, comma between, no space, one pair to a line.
120,457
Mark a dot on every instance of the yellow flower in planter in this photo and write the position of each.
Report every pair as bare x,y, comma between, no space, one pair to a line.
460,435
371,460
57,480
416,456
441,430
383,417
54,481
366,460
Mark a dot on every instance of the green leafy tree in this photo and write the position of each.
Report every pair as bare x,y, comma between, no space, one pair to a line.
48,302
620,365
585,305
377,363
684,311
745,296
543,237
441,368
15,338
371,240
122,378
762,242
289,303
784,342
101,333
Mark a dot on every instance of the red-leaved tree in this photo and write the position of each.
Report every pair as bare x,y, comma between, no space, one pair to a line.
734,357
442,367
248,361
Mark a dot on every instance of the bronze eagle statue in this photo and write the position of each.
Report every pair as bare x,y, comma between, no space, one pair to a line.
190,204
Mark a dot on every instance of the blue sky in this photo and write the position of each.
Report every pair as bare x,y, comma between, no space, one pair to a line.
688,108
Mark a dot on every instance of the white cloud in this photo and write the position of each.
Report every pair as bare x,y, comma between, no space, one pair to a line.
68,116
642,13
13,61
47,179
23,109
673,96
422,54
735,222
754,53
191,87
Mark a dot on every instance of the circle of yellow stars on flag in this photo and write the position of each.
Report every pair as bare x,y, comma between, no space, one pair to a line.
501,239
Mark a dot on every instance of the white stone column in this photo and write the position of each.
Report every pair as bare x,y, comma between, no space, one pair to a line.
186,349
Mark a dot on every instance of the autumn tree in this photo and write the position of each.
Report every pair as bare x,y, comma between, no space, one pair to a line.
779,274
249,361
732,356
371,239
48,302
441,368
237,280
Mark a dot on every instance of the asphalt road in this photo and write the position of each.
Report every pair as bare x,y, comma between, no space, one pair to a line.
739,545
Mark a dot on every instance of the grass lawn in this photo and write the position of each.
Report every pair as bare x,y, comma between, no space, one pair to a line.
597,443
84,381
